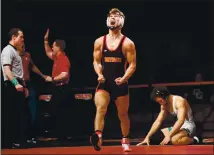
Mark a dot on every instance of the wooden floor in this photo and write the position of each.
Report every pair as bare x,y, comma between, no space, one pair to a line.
190,149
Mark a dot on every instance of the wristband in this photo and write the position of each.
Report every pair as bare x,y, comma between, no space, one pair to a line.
14,82
169,128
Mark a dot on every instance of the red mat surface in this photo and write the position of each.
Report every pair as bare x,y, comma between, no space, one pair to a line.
189,149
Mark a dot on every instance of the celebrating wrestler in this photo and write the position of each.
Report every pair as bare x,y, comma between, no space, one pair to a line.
114,63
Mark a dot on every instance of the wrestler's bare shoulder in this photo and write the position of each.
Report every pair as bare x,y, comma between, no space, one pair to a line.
99,40
178,97
128,42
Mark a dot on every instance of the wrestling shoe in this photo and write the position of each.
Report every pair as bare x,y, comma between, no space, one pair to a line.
126,145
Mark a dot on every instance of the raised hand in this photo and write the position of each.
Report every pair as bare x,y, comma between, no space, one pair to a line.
46,35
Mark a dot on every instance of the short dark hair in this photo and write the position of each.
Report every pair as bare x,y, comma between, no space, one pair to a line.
159,91
13,31
61,44
116,10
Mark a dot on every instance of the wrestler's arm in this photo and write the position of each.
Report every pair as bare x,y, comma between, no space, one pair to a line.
97,54
182,111
156,125
130,51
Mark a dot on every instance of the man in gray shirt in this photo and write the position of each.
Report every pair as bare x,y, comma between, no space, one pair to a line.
14,105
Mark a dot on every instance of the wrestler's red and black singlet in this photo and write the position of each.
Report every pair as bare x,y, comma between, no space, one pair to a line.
114,66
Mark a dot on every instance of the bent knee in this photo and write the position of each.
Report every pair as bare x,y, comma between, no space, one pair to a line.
175,140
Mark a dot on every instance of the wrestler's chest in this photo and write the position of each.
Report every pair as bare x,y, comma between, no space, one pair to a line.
112,44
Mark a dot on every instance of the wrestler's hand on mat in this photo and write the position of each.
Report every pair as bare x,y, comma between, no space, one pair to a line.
46,35
146,141
120,81
166,140
48,79
101,78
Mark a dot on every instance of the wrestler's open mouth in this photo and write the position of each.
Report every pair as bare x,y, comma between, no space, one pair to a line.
112,22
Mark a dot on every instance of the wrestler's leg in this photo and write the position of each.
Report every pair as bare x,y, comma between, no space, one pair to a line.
122,104
182,138
101,99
